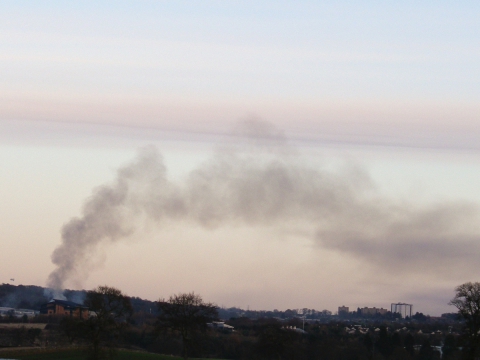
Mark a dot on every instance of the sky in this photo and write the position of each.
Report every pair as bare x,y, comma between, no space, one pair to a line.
264,154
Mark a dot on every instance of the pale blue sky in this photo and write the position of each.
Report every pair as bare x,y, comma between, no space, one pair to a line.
392,87
237,50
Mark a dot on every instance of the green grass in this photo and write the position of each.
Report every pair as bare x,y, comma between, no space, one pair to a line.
62,354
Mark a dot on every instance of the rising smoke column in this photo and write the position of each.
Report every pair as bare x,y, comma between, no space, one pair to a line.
262,182
109,214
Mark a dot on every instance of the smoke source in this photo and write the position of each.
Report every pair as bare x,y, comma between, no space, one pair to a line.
263,182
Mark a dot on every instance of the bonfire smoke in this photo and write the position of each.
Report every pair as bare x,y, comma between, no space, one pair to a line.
54,293
262,182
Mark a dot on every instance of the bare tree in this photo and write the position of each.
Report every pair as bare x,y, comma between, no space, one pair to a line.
110,309
187,315
467,301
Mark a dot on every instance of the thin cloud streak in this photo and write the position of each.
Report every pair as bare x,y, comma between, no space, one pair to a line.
354,135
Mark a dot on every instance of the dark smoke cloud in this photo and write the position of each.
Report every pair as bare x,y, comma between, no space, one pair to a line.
260,180
422,240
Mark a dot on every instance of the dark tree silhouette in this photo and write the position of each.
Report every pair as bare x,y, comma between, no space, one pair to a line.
449,346
368,343
277,343
111,309
467,301
384,343
187,315
426,352
409,342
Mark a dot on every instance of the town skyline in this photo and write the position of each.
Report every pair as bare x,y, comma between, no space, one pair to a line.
22,294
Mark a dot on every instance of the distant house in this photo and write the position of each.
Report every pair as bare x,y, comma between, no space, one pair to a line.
220,325
63,307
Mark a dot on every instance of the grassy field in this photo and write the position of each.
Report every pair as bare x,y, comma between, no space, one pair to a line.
59,354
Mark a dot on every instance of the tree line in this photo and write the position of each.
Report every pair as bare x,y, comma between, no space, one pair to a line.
179,326
186,316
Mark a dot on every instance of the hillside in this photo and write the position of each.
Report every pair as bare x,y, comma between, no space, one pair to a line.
32,297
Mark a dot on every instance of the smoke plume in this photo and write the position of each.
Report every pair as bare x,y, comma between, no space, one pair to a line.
261,181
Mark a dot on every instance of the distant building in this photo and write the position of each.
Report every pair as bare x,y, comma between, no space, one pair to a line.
294,328
401,308
343,310
7,311
63,307
373,311
220,325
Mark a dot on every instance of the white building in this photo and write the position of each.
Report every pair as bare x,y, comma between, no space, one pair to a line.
220,325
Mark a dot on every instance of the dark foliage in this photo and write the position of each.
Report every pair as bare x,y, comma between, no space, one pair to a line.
467,301
33,297
103,330
20,336
186,315
276,343
24,297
